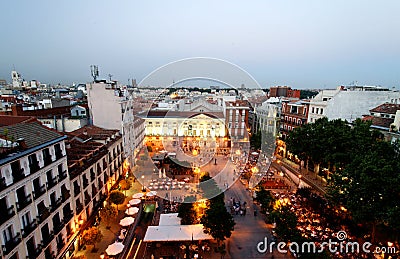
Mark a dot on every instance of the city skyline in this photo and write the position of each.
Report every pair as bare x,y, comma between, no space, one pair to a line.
303,45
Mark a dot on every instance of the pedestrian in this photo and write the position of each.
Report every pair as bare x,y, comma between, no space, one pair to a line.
255,213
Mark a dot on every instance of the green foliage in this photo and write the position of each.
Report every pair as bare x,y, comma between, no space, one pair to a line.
265,198
307,94
286,222
117,197
92,236
125,184
369,187
187,213
108,213
208,186
217,221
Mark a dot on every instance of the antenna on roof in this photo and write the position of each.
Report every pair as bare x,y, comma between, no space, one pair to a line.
94,71
110,76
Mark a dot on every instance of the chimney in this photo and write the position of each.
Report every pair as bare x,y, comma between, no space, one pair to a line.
21,143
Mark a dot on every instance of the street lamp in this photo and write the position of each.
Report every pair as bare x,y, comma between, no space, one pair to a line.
143,187
299,179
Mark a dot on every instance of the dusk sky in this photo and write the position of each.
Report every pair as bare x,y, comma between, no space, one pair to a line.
303,44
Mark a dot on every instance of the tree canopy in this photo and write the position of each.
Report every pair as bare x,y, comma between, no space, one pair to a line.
117,197
108,213
365,168
92,236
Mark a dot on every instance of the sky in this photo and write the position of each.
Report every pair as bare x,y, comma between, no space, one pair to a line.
304,44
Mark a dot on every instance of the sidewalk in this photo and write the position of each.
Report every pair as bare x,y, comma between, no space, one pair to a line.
307,176
110,235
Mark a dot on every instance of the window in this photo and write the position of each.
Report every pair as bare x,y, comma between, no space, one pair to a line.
312,110
322,110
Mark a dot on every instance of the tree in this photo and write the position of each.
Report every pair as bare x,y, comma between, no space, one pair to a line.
116,197
217,221
125,184
209,186
369,187
92,236
187,213
108,213
286,223
265,198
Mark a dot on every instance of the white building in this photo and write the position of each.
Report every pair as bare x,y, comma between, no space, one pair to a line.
110,109
349,104
37,218
268,115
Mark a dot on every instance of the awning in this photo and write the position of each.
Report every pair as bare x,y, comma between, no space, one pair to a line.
175,233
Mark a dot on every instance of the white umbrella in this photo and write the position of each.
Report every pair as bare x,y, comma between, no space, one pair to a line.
254,153
138,195
134,202
115,248
164,174
159,173
152,193
127,221
132,211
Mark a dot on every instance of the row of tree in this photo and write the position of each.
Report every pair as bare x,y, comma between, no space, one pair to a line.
365,168
216,220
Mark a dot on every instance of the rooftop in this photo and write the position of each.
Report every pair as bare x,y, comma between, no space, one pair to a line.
389,108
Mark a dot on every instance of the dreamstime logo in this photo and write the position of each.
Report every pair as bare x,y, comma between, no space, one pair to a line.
200,139
340,245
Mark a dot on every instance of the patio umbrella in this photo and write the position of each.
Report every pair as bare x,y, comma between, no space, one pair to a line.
115,248
164,174
126,221
159,173
134,202
138,195
151,194
132,211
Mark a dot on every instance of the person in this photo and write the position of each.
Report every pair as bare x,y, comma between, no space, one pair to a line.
255,213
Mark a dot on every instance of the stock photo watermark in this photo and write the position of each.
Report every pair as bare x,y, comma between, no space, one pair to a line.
338,245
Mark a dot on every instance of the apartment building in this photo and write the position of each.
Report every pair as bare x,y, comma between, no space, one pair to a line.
37,217
294,114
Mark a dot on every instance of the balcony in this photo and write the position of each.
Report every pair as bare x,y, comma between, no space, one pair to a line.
28,229
87,201
60,245
43,215
85,182
6,214
63,175
3,184
18,174
47,239
23,202
52,182
47,161
34,167
39,191
54,206
79,208
65,194
58,227
35,254
92,176
11,244
67,216
59,154
77,190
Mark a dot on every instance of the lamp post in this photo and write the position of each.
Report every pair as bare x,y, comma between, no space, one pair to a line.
143,187
299,179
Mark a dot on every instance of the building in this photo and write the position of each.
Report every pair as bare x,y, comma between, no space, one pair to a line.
386,118
269,116
236,120
35,200
349,103
294,114
283,91
112,108
95,164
